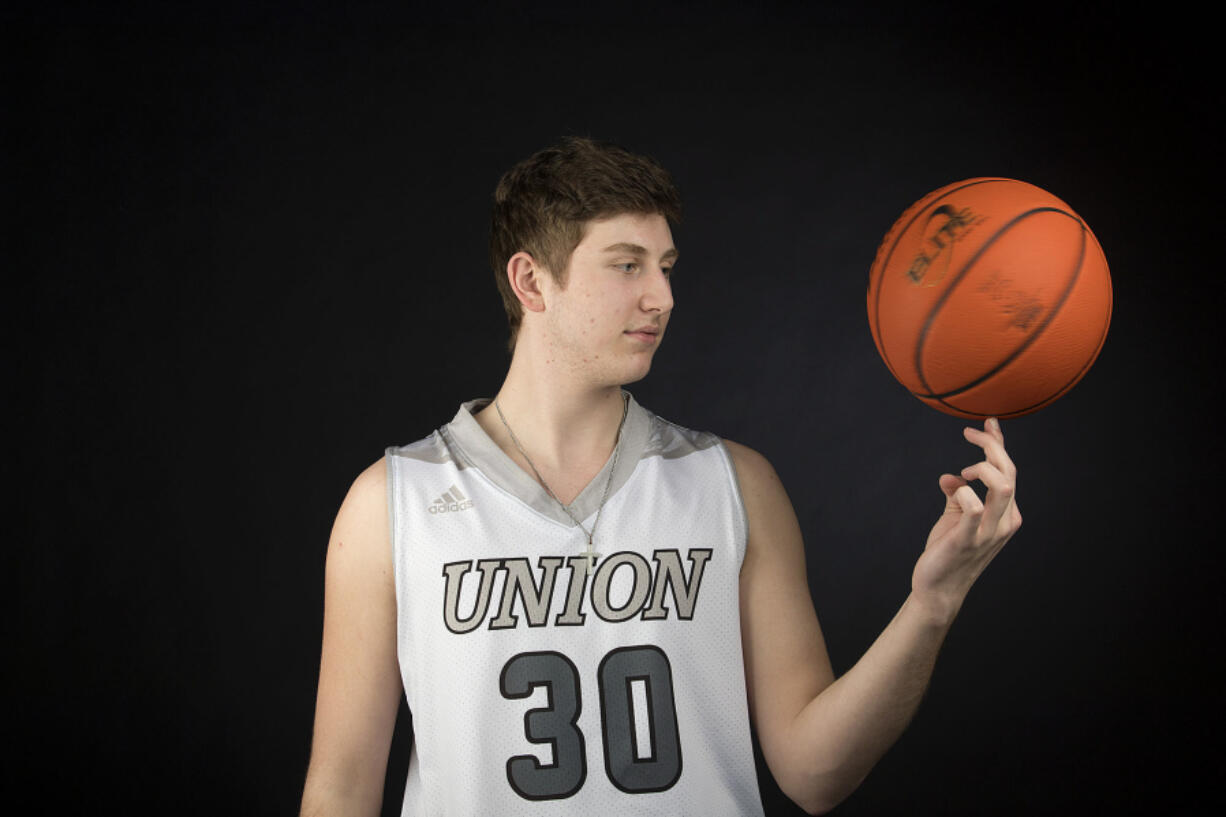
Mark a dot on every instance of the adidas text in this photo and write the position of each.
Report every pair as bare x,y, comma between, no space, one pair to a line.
451,500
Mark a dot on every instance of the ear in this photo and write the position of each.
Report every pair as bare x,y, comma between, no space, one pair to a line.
525,276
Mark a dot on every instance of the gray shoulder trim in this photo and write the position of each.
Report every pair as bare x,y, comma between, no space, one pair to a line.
672,441
434,450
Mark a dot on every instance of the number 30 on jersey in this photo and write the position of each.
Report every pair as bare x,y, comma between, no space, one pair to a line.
635,763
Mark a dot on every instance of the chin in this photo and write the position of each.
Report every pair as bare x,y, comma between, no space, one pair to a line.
635,374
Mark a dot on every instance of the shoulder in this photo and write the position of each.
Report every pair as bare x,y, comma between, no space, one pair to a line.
770,517
753,471
362,518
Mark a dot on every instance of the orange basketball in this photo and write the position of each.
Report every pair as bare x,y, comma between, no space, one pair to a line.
989,297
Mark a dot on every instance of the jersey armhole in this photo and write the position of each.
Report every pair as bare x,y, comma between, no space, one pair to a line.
740,519
393,491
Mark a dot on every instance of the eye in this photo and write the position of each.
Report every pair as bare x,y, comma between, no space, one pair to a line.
668,271
627,267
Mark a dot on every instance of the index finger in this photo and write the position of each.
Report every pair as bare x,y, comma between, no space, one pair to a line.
992,441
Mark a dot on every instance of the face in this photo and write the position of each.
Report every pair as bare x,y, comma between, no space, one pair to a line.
608,321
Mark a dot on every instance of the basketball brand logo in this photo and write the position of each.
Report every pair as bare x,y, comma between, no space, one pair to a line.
1021,309
451,501
945,227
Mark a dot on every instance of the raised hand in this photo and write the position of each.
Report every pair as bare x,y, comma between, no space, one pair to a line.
971,531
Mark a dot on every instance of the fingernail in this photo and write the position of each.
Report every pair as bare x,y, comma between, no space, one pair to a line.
994,423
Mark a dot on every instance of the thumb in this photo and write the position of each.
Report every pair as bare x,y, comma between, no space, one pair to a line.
949,486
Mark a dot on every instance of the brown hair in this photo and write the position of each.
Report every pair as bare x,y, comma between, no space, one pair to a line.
542,204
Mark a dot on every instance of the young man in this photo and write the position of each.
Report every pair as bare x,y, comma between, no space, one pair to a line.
585,605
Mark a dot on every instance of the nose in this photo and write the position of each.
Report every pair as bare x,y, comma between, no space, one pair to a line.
657,292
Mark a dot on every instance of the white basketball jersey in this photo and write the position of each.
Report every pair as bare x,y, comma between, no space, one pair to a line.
537,688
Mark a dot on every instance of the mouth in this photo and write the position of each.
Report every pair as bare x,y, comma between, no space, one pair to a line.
646,334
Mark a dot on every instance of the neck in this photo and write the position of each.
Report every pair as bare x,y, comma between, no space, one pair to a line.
566,426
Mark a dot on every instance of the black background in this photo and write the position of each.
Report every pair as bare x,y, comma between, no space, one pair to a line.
247,252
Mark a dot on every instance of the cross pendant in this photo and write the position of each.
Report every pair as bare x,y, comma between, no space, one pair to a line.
591,556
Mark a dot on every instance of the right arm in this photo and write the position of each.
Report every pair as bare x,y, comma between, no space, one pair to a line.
359,678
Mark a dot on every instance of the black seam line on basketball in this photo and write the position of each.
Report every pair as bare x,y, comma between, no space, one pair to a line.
1051,398
920,208
1058,393
1029,340
886,261
1051,314
953,284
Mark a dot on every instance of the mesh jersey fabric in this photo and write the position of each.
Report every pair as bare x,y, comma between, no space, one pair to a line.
538,689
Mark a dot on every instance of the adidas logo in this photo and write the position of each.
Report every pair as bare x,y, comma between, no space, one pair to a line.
451,500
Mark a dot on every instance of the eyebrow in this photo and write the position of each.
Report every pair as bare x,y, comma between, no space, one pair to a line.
635,249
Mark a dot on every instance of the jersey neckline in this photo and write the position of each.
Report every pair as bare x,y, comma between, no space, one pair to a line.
465,435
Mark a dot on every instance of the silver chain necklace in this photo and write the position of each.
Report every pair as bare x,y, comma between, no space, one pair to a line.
590,554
